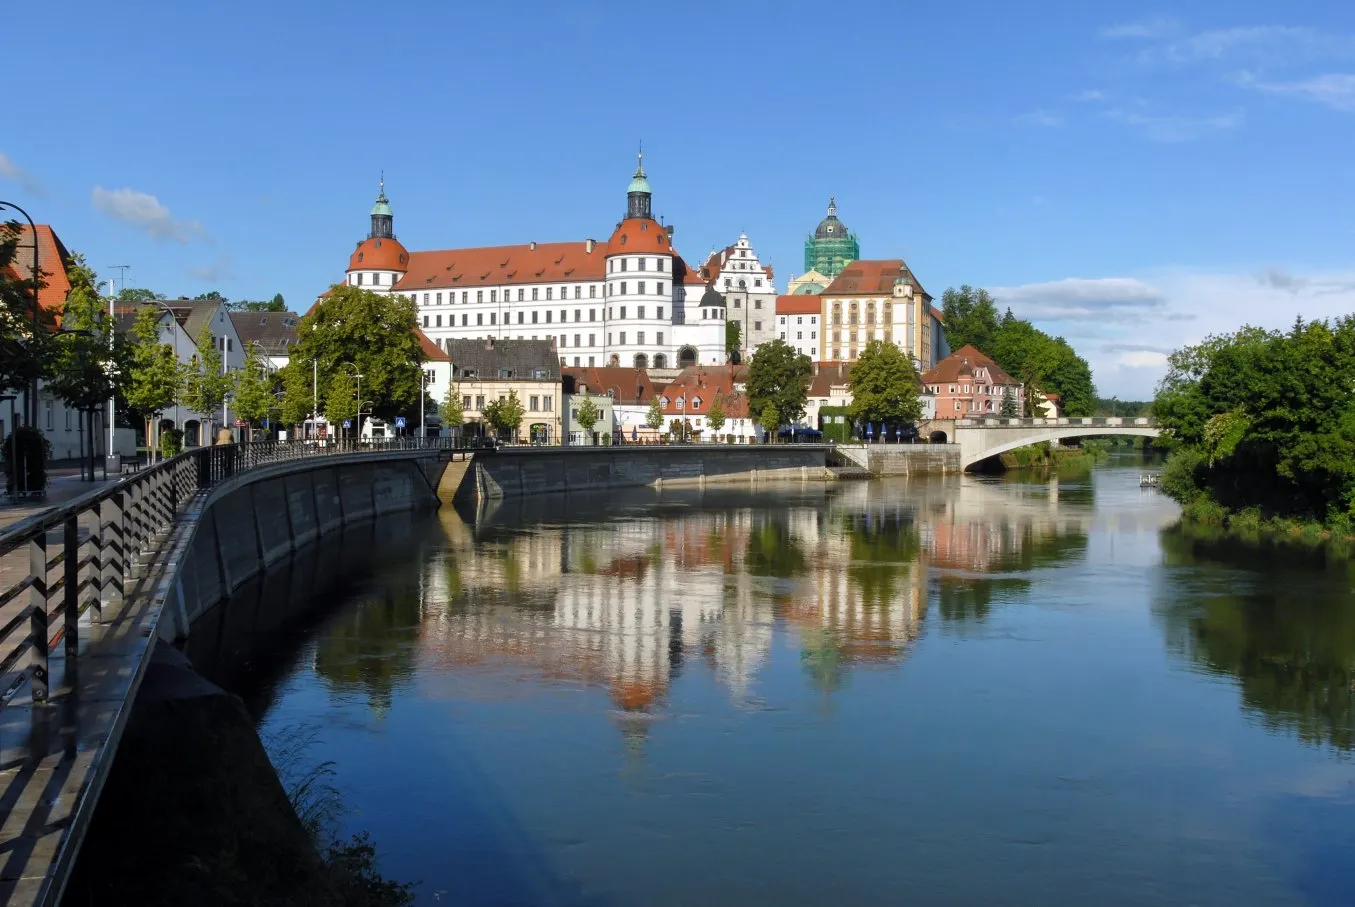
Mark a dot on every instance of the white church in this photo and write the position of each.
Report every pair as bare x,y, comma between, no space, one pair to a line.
630,301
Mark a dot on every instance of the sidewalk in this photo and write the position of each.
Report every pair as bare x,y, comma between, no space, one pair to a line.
62,485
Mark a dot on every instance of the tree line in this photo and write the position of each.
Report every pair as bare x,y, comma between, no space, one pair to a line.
1264,425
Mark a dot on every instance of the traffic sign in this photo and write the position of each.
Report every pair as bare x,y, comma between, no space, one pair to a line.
347,423
399,421
239,423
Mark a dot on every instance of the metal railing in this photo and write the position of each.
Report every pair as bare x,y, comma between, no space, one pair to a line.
74,559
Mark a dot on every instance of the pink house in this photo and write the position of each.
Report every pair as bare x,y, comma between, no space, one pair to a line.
967,384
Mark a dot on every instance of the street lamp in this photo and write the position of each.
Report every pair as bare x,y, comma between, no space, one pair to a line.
33,388
357,374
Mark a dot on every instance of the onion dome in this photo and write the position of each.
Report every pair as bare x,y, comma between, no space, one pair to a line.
379,254
639,236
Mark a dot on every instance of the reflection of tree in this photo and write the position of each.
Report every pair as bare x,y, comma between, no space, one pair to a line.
1287,634
969,599
822,658
372,648
1022,549
883,548
772,551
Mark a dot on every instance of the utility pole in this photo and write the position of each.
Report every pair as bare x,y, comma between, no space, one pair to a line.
315,398
112,332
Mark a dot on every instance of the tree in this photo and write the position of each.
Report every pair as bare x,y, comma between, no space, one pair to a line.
587,416
211,295
970,317
733,336
23,353
256,305
154,374
885,386
715,417
341,397
207,384
138,294
1046,363
254,391
297,395
375,333
1009,404
654,418
87,363
505,414
768,420
778,377
452,413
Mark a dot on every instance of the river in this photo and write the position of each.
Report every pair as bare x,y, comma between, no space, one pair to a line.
970,690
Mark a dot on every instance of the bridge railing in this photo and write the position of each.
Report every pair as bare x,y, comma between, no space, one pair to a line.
61,567
1073,422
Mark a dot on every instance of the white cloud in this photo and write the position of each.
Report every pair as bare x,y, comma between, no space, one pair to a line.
16,174
145,212
1335,90
1126,326
1040,118
220,270
1266,45
1174,129
1090,96
1145,29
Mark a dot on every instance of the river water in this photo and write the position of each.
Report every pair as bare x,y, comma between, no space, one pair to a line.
970,690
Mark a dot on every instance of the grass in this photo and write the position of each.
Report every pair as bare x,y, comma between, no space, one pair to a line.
1253,525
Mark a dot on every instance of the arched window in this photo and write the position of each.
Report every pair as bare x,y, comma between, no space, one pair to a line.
641,360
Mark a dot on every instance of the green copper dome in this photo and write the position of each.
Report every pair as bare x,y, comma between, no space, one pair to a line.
383,205
639,182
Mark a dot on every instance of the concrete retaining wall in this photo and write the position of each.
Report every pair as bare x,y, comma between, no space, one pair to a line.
906,459
530,471
264,515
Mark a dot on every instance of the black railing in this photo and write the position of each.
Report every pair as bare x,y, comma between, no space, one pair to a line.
73,559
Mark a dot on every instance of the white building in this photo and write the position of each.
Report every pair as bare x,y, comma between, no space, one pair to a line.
630,301
797,323
749,290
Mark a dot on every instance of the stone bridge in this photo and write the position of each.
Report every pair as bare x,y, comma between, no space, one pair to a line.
979,439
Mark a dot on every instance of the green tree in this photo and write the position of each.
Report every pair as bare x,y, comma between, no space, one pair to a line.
375,333
778,377
770,421
885,386
297,395
254,398
970,317
505,415
654,418
208,384
588,416
87,368
23,353
211,295
1009,404
138,294
154,375
716,415
341,398
452,412
733,336
1044,363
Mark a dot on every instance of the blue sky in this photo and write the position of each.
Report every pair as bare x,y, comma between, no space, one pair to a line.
1128,175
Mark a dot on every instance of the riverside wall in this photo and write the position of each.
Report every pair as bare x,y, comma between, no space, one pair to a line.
250,523
517,472
904,459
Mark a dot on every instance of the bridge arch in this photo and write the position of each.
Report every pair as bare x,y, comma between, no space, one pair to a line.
981,439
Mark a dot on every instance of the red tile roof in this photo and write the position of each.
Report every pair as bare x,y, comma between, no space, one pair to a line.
431,351
872,277
628,386
963,362
803,304
379,255
707,383
53,259
639,235
496,265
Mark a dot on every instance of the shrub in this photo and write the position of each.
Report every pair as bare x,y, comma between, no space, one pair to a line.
171,442
1182,475
29,450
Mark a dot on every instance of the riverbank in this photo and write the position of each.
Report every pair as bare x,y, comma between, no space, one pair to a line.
1052,456
1204,514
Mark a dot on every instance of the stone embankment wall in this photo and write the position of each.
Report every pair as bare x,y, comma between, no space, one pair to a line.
249,523
904,459
514,472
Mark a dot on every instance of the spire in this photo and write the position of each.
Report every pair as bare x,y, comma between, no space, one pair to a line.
832,205
383,221
638,193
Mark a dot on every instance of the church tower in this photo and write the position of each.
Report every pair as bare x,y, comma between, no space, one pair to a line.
832,247
638,194
383,222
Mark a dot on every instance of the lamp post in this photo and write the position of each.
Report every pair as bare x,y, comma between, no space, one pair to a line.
423,394
33,387
357,374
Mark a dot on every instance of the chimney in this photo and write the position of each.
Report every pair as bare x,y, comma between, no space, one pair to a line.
589,245
532,245
489,343
669,230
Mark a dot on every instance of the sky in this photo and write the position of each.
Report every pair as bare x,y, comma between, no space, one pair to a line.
1130,176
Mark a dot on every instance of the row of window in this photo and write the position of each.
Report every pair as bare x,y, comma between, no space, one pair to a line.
800,335
639,288
536,403
436,320
800,319
743,284
659,264
738,303
434,298
993,390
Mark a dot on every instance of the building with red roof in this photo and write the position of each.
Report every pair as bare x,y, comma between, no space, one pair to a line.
880,299
631,301
967,383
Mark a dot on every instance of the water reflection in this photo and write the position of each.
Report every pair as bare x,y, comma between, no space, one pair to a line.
1280,622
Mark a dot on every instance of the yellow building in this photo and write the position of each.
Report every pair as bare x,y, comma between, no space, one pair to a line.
879,299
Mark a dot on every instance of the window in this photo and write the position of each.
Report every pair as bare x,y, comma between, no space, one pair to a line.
521,316
726,283
623,288
593,291
534,290
548,313
799,335
520,292
623,313
439,299
465,401
623,264
535,315
623,338
611,266
439,320
532,403
660,315
952,388
425,321
642,264
659,338
578,315
738,303
492,317
659,263
578,292
590,361
799,320
641,290
659,289
546,404
465,319
609,338
757,325
813,335
757,281
576,361
479,295
494,295
550,292
640,337
465,296
783,335
591,342
480,401
479,318
592,315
